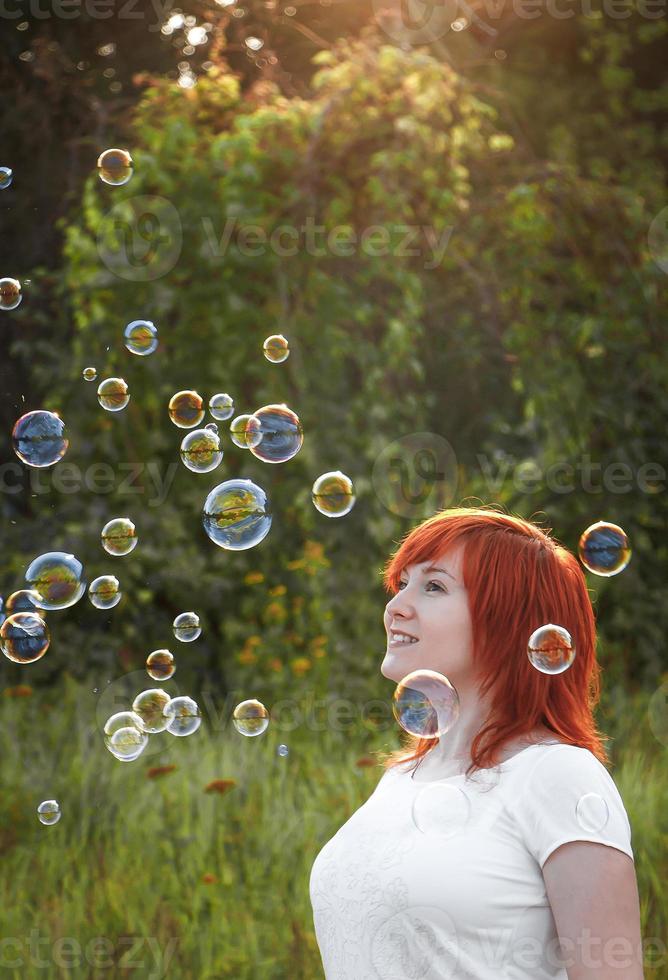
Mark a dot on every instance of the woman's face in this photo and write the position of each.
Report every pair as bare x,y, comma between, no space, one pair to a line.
431,606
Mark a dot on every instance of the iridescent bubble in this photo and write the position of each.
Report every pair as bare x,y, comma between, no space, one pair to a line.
245,431
127,744
550,649
57,578
24,637
333,495
39,438
48,812
250,718
141,337
281,434
6,177
121,719
221,406
23,600
236,515
186,627
441,809
89,374
604,549
149,705
105,592
254,43
200,450
112,394
282,750
186,409
592,813
114,167
212,427
119,536
10,293
425,703
276,348
160,665
183,716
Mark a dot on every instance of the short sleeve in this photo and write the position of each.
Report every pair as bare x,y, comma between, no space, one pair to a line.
569,795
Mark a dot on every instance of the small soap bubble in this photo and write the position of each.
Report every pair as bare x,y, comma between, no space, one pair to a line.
186,409
441,810
141,337
114,167
24,637
604,549
281,434
186,627
236,515
23,600
250,718
245,431
425,703
6,177
200,450
183,716
160,665
221,406
57,578
149,705
119,536
39,438
333,495
105,592
10,293
121,719
112,394
550,649
276,348
212,427
127,744
282,750
592,813
89,374
254,43
48,812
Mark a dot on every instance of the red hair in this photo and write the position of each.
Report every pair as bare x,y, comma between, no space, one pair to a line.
517,578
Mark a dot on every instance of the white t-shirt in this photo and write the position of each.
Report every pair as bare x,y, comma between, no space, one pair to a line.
442,880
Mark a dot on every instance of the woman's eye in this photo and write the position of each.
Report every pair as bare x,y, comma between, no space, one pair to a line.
432,582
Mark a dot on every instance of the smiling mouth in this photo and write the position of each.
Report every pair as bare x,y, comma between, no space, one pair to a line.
402,642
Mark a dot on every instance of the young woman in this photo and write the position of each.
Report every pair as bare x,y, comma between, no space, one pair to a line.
501,849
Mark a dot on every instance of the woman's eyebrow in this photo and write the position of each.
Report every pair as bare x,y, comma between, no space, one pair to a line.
435,568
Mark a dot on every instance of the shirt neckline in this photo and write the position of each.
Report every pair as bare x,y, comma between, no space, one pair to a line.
462,775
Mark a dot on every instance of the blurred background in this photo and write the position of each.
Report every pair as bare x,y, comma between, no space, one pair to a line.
456,215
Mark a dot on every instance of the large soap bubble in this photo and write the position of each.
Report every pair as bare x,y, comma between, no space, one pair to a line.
186,409
105,592
221,406
23,600
604,549
160,665
425,703
39,438
112,394
119,536
127,744
276,348
245,431
24,637
141,337
6,177
10,293
550,649
57,578
200,450
186,627
114,167
281,434
236,515
150,705
183,716
250,718
48,812
333,495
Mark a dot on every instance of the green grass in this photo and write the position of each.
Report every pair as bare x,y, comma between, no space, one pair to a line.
128,857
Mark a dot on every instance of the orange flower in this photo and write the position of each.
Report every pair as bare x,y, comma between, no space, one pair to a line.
155,771
319,653
209,879
254,641
319,641
365,761
246,657
252,578
278,590
275,611
292,566
275,664
220,786
20,691
300,665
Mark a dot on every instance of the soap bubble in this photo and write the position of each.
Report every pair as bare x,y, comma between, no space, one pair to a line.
141,337
10,293
425,703
183,717
281,434
186,627
89,374
236,515
282,750
119,536
23,600
112,394
39,438
114,167
200,450
333,495
48,812
276,348
57,578
250,718
6,177
127,744
221,406
592,813
121,719
550,649
186,409
149,705
212,427
160,665
245,431
254,43
604,549
24,637
105,592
